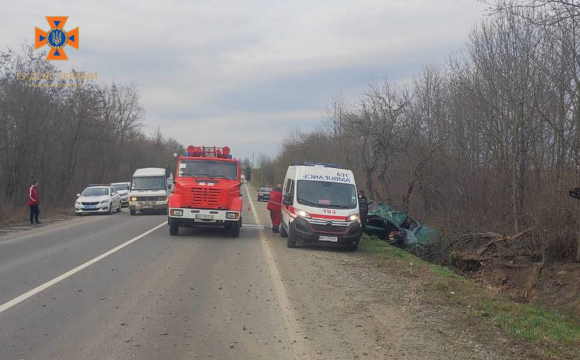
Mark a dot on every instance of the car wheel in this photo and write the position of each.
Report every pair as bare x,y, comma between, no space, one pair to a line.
283,232
173,226
291,237
132,212
119,208
110,209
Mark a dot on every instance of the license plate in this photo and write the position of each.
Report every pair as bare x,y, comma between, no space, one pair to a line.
90,207
328,238
204,216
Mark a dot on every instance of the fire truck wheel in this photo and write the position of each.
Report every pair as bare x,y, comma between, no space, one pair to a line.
173,226
132,212
283,232
291,238
234,228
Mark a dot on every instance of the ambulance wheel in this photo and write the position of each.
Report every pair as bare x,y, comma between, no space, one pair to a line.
173,226
352,247
234,228
291,238
132,212
283,232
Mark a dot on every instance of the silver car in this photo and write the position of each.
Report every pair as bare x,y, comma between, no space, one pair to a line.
123,189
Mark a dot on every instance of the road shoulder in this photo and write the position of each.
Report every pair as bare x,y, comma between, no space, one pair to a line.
358,305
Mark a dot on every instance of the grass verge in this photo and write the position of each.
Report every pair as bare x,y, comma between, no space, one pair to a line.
553,335
17,216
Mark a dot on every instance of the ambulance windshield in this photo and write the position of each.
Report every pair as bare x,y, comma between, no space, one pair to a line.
325,194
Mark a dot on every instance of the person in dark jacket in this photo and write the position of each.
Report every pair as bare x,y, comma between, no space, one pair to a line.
363,207
275,207
34,202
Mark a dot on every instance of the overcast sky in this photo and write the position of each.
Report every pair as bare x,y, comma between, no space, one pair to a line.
245,73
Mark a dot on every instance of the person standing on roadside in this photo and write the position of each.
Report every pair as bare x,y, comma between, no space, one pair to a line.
363,207
33,202
275,207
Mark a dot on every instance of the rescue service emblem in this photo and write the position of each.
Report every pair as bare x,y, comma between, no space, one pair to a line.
56,38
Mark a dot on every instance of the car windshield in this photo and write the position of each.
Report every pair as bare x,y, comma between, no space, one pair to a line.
96,192
324,194
265,189
149,183
208,168
120,187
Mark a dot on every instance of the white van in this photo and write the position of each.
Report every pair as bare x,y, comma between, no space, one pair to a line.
150,189
320,205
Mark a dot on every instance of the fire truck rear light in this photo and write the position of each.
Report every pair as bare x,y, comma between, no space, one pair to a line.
176,212
232,215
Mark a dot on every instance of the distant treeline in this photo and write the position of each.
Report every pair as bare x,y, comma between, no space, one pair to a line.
67,136
491,141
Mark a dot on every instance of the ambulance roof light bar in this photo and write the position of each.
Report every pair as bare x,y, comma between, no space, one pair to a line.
314,163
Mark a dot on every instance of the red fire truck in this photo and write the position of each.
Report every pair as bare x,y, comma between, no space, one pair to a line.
207,190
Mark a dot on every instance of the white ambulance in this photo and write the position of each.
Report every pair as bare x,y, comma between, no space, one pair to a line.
320,205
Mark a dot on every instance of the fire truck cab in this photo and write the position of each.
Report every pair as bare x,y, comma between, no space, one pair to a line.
207,190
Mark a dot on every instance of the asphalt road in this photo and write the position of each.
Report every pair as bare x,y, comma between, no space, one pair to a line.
198,295
120,287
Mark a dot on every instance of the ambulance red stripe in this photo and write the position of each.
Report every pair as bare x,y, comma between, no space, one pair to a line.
329,217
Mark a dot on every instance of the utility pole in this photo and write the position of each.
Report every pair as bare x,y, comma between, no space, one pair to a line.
253,164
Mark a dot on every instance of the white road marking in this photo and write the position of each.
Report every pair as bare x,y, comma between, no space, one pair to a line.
300,346
67,274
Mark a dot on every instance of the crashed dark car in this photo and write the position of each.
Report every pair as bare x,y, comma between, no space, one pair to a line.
264,193
398,229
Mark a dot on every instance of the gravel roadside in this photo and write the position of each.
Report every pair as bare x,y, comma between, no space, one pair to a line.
352,306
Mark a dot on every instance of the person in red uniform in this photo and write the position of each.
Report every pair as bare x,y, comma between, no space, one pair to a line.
275,207
33,202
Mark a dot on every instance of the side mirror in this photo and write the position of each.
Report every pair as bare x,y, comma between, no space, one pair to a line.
288,199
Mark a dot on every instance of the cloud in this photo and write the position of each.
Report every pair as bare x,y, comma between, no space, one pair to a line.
254,63
244,132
